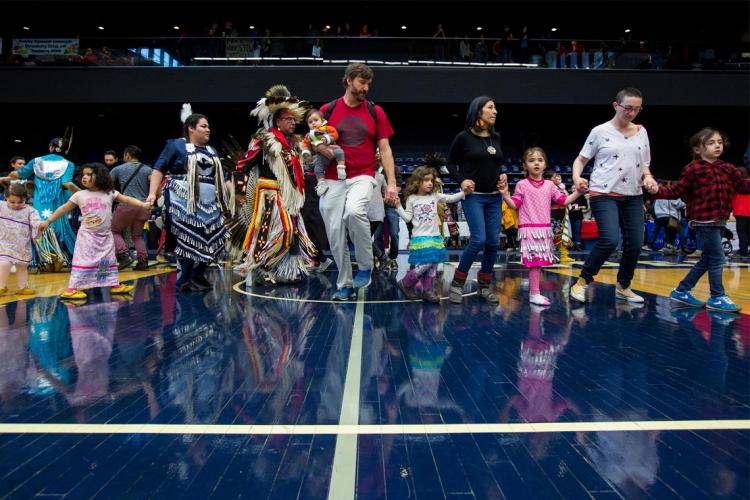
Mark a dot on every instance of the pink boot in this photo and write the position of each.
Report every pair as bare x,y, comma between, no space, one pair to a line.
428,289
408,285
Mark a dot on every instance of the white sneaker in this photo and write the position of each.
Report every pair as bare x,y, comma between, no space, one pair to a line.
341,171
627,294
539,300
578,290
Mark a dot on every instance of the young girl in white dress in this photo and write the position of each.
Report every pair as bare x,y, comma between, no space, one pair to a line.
94,261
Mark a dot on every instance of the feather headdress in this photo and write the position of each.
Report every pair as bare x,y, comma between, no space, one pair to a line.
276,98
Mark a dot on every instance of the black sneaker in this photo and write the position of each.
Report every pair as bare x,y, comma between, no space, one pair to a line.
142,265
201,283
188,287
124,261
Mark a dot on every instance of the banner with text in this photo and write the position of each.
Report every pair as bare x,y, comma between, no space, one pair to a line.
45,46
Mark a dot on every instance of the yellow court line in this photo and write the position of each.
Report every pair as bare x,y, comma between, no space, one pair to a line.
53,284
352,429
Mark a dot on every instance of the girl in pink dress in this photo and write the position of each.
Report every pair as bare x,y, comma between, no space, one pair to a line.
19,223
94,261
533,199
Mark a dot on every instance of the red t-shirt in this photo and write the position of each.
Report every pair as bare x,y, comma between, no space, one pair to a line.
356,127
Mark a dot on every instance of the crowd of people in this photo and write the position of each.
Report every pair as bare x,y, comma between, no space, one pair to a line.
506,44
327,193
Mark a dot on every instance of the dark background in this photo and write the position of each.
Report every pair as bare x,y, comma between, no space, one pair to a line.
554,109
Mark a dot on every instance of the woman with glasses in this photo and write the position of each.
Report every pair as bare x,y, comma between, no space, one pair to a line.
271,233
622,155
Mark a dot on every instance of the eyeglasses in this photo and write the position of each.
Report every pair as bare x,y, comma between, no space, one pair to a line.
636,109
286,119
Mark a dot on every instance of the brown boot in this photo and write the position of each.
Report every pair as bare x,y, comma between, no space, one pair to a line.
486,289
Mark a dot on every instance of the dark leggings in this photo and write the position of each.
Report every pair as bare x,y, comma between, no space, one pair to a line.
190,269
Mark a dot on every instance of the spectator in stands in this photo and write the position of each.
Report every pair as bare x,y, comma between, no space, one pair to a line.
363,31
475,160
440,44
362,127
464,49
622,155
668,214
577,55
132,179
89,57
508,45
480,50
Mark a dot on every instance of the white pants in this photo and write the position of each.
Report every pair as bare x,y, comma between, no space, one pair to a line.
344,208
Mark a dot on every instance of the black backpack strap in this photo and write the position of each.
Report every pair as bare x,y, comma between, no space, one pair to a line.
370,108
329,109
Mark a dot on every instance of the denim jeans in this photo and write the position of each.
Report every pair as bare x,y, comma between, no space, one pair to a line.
393,227
712,260
482,212
616,214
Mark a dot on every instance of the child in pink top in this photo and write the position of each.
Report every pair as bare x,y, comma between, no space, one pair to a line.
533,199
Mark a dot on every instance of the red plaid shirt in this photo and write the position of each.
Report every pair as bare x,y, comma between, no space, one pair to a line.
707,189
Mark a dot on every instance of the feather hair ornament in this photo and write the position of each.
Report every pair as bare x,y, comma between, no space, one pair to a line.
186,111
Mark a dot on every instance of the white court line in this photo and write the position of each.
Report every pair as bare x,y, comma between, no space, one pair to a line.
344,471
238,287
356,429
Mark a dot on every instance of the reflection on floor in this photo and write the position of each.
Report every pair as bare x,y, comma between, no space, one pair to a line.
263,393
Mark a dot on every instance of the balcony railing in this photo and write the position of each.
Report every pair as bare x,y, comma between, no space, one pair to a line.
396,51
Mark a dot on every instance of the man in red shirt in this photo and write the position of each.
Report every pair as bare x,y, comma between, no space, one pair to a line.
363,127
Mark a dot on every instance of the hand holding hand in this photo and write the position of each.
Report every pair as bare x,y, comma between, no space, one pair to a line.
581,185
150,199
650,184
502,182
467,186
391,193
43,226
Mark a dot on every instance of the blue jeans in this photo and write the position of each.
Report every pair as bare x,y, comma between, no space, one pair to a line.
393,227
712,260
482,212
613,215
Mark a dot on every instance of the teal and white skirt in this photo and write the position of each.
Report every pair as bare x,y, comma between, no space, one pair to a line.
427,250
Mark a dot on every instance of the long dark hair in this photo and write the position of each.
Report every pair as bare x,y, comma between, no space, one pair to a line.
102,179
475,111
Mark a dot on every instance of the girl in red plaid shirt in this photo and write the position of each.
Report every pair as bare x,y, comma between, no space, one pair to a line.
707,186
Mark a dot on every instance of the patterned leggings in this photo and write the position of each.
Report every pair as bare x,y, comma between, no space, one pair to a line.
428,270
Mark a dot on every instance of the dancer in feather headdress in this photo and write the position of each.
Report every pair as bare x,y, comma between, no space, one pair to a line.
196,196
271,233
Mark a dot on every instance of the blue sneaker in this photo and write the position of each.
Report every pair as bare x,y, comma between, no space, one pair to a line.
722,303
686,298
363,278
722,317
344,294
